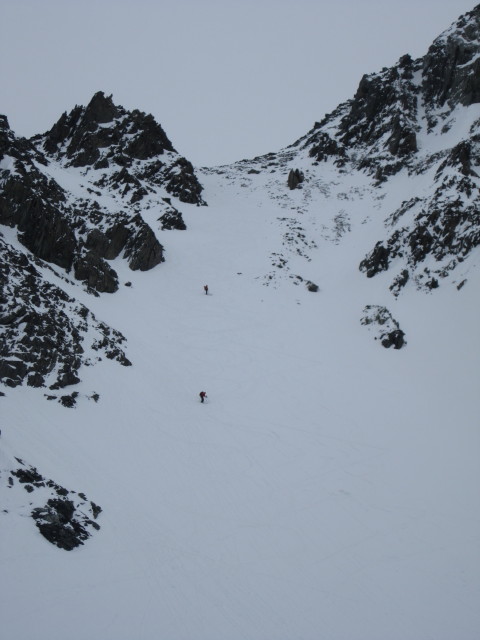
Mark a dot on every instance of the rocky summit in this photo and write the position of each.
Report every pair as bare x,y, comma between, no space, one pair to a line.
122,163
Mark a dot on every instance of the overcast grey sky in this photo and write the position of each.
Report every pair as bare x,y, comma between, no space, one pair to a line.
227,79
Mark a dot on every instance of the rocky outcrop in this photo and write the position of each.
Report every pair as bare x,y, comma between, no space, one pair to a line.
65,518
142,249
324,146
451,68
129,148
95,272
385,327
376,260
181,182
76,235
46,335
295,179
384,110
33,203
82,135
444,229
172,218
377,133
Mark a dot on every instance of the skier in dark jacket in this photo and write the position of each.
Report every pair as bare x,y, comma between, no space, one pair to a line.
206,289
203,395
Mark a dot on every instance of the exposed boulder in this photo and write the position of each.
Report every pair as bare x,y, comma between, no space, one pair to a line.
295,179
395,339
386,328
64,517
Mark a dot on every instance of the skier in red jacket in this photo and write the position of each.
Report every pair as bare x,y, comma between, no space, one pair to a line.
203,395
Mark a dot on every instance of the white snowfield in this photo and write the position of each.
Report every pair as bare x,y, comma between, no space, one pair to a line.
328,487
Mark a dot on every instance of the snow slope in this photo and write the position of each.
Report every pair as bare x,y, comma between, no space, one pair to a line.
328,488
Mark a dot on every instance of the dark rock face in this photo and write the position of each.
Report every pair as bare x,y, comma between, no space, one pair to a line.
462,157
56,523
105,136
172,218
324,147
76,235
96,273
182,183
399,282
150,139
43,337
143,250
79,137
129,163
395,339
376,260
65,518
445,228
108,244
451,68
377,130
35,205
48,236
295,179
389,100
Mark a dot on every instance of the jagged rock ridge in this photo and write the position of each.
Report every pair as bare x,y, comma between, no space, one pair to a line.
125,165
76,234
387,129
135,147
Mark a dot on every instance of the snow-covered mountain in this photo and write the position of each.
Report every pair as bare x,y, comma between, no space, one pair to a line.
328,485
